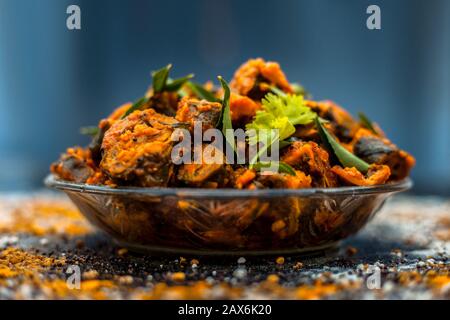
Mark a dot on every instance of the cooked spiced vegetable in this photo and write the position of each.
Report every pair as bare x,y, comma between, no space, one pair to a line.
136,150
320,143
255,78
191,110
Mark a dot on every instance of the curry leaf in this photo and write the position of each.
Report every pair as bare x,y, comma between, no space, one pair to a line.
345,157
159,78
277,91
298,90
182,93
136,106
89,131
284,144
366,122
184,125
176,84
282,167
226,114
202,93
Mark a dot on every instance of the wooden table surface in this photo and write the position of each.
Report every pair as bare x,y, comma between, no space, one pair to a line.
45,244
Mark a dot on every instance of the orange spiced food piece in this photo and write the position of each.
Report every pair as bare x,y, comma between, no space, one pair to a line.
242,109
137,149
254,78
377,174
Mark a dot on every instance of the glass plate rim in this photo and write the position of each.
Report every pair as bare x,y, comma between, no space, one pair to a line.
52,182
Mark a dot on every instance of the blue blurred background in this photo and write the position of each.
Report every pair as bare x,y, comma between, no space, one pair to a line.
53,81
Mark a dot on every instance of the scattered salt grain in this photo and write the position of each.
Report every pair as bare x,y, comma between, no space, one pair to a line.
240,273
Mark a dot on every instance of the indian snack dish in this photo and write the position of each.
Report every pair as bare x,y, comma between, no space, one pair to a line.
132,146
335,171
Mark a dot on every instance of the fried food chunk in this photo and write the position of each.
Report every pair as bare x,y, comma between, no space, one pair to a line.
163,102
254,78
374,149
377,174
191,110
75,165
327,220
242,109
309,157
307,132
136,150
341,123
284,215
210,173
243,177
282,180
105,124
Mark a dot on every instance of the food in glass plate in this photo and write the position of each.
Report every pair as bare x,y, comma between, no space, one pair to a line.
333,172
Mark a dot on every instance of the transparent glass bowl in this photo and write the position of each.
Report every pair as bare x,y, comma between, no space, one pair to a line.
228,221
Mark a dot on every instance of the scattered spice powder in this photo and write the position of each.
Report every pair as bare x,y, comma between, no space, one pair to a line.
298,265
122,251
28,274
16,262
178,276
41,217
351,251
125,279
437,279
317,291
273,278
90,275
195,261
443,230
89,289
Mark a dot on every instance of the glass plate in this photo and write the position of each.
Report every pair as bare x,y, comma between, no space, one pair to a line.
228,221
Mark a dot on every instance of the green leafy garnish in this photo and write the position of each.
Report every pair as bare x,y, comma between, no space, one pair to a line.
284,144
282,167
183,125
201,92
89,131
160,78
183,93
226,115
281,113
345,157
174,85
161,81
136,106
278,91
366,122
300,90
